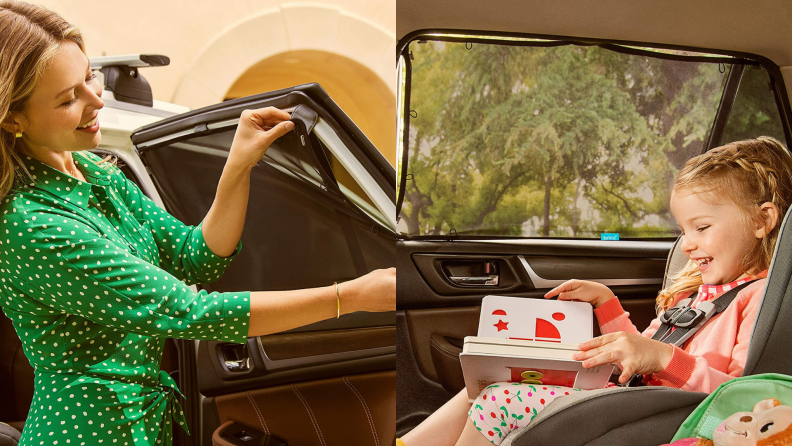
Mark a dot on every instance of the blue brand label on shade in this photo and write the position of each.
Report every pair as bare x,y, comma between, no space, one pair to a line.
606,236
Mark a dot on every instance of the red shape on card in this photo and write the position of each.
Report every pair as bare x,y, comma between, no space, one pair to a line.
499,313
559,316
501,325
545,329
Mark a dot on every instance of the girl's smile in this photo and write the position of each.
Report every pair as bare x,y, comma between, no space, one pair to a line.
715,234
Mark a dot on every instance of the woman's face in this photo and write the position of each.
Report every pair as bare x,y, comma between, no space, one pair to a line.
67,96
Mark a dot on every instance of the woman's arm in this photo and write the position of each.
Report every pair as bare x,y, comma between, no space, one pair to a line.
80,272
276,311
257,130
222,226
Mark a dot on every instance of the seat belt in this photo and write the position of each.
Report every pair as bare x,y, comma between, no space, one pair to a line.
681,322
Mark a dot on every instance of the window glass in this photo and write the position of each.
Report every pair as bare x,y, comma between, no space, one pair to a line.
553,141
293,237
754,112
352,190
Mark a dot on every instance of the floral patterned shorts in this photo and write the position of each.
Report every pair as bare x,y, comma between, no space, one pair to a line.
505,406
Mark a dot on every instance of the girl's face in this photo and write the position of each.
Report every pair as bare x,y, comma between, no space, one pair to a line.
714,234
67,96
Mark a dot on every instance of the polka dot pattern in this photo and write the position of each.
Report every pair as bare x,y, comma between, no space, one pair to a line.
95,277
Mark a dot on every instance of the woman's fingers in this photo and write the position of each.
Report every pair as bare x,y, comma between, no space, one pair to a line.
276,132
268,116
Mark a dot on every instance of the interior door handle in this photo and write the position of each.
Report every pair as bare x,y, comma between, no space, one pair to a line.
235,357
491,280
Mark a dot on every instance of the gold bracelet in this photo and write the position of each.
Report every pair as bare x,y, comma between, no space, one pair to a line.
338,300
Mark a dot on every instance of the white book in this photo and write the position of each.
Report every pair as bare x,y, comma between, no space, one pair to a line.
489,360
494,346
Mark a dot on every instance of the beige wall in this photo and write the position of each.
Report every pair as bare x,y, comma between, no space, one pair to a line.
235,48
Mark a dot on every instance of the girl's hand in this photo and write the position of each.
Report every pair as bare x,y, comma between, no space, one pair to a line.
256,131
634,353
375,292
582,290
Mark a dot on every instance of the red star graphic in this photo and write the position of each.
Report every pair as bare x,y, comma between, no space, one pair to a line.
501,325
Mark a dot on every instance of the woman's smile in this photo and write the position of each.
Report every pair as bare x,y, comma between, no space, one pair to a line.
62,114
91,126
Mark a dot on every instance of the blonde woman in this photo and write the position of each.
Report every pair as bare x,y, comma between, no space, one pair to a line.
89,275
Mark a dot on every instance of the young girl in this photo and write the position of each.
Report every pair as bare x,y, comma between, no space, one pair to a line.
728,203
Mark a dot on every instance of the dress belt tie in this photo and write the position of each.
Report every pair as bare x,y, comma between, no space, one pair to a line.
173,405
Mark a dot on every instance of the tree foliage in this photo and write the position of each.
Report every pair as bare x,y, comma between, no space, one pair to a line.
554,141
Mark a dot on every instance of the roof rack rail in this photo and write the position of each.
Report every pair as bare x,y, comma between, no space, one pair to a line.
122,78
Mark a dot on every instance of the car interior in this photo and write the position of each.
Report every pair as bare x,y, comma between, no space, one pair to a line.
314,217
485,207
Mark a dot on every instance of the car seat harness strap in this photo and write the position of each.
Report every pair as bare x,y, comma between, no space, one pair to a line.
682,321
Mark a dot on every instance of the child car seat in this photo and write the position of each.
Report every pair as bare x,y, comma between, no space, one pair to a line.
649,416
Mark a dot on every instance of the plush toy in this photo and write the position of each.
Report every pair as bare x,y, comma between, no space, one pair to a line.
770,424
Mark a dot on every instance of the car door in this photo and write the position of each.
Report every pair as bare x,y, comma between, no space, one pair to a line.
529,160
321,209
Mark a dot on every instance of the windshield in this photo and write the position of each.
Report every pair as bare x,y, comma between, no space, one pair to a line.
561,140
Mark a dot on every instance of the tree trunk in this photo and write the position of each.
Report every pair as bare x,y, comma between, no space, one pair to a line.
575,208
548,188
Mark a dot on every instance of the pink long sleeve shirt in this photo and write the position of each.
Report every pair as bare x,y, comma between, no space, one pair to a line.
715,354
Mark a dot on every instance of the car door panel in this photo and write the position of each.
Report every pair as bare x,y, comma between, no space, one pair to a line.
308,413
435,313
305,228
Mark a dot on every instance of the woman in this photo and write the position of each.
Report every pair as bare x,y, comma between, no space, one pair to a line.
92,272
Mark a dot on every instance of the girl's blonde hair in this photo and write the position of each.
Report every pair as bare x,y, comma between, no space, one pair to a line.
30,36
748,173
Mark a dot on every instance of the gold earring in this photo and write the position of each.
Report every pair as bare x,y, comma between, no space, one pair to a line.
19,134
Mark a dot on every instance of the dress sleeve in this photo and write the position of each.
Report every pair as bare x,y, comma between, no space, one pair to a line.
65,263
183,250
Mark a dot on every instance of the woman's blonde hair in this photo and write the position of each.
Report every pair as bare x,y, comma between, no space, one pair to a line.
748,173
30,36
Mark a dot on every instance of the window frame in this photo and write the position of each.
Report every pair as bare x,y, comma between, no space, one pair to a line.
403,62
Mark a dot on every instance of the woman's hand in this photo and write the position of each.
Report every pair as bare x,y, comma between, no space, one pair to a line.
257,130
376,291
634,353
582,290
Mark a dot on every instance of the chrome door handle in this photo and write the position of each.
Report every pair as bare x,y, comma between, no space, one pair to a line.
238,365
491,280
235,357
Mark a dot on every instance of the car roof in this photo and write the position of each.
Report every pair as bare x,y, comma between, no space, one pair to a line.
760,27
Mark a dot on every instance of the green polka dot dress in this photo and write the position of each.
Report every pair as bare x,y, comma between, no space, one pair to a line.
94,276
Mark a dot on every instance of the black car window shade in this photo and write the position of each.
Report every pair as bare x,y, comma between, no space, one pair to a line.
220,115
304,121
725,106
735,62
405,56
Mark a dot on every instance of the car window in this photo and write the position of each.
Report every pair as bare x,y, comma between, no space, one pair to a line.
754,112
549,139
294,235
352,190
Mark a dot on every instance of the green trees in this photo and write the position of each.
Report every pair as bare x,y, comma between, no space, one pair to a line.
565,141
